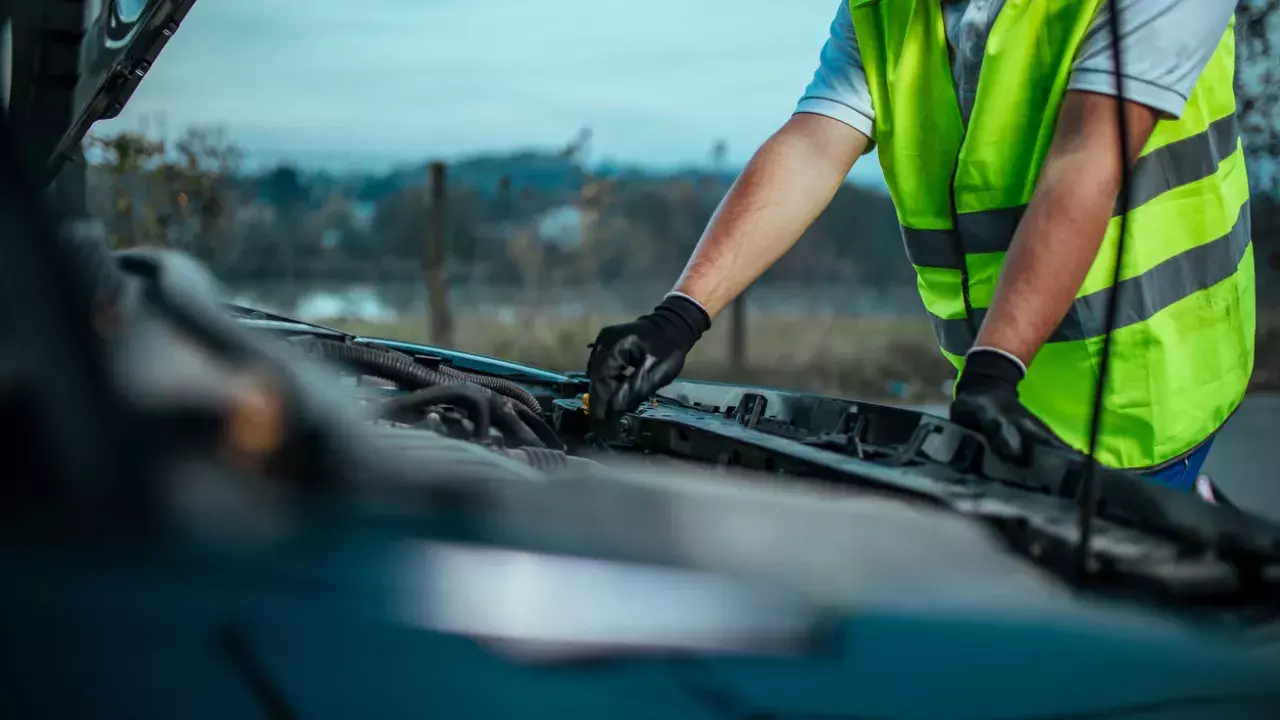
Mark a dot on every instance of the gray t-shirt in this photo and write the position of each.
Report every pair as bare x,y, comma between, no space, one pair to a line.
1165,46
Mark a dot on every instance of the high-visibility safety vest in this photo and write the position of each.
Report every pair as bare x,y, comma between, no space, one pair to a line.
1182,349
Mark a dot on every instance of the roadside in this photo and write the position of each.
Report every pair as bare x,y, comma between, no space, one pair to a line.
1245,460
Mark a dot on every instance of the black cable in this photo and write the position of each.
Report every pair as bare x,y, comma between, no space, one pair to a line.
1088,487
518,425
507,419
396,367
405,372
516,421
498,385
486,408
540,427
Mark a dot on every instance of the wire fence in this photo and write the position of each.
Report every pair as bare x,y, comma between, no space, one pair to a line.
406,300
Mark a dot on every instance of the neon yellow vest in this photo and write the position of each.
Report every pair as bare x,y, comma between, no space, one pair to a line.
1182,352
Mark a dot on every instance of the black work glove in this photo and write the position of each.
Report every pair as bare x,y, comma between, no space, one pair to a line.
630,362
986,401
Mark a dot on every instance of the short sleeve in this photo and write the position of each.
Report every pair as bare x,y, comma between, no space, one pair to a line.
839,86
1164,45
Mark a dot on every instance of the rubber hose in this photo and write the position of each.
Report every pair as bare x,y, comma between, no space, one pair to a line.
540,458
498,385
485,407
514,420
474,401
396,367
507,420
401,369
540,427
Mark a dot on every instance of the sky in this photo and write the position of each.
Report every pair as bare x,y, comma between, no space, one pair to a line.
368,84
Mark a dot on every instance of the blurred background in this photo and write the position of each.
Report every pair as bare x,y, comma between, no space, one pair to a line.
506,177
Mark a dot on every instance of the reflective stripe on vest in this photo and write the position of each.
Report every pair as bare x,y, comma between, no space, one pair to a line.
1140,297
1183,342
1174,165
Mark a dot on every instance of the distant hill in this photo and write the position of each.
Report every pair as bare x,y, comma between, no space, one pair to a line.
548,173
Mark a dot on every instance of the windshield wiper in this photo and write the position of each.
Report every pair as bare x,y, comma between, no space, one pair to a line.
248,313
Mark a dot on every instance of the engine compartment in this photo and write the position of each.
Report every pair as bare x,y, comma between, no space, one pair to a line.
419,426
426,393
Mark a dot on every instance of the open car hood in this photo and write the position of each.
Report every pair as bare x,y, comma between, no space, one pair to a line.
123,40
903,452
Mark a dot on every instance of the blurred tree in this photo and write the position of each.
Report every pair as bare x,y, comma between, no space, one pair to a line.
1258,89
397,220
201,182
636,226
284,189
209,150
528,256
127,152
593,203
1258,98
857,240
719,156
505,207
400,219
128,158
334,223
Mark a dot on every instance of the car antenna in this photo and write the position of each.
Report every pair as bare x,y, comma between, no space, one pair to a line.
1089,485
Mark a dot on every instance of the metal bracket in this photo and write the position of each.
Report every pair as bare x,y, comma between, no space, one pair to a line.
750,410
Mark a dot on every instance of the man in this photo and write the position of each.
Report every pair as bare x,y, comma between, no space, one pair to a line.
996,124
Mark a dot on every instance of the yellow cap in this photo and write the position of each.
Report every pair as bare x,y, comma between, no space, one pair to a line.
586,402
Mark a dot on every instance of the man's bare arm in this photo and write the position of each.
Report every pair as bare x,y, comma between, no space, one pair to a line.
1064,225
788,183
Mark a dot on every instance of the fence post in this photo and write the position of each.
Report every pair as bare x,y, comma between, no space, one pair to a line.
738,334
434,260
504,198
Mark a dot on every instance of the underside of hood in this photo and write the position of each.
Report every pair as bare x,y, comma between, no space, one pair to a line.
70,63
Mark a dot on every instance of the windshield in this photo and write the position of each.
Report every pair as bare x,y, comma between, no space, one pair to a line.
506,178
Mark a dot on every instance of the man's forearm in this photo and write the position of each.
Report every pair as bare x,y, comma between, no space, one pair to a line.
1051,253
784,188
1064,225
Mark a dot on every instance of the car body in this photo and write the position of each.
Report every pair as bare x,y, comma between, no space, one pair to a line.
211,520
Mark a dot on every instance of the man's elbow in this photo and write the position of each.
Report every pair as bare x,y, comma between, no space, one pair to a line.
822,140
1089,125
1085,157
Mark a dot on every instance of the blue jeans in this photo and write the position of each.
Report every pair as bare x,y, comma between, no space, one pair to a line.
1182,474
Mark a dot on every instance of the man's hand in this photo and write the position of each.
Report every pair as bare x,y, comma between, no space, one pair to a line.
631,362
987,402
787,184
